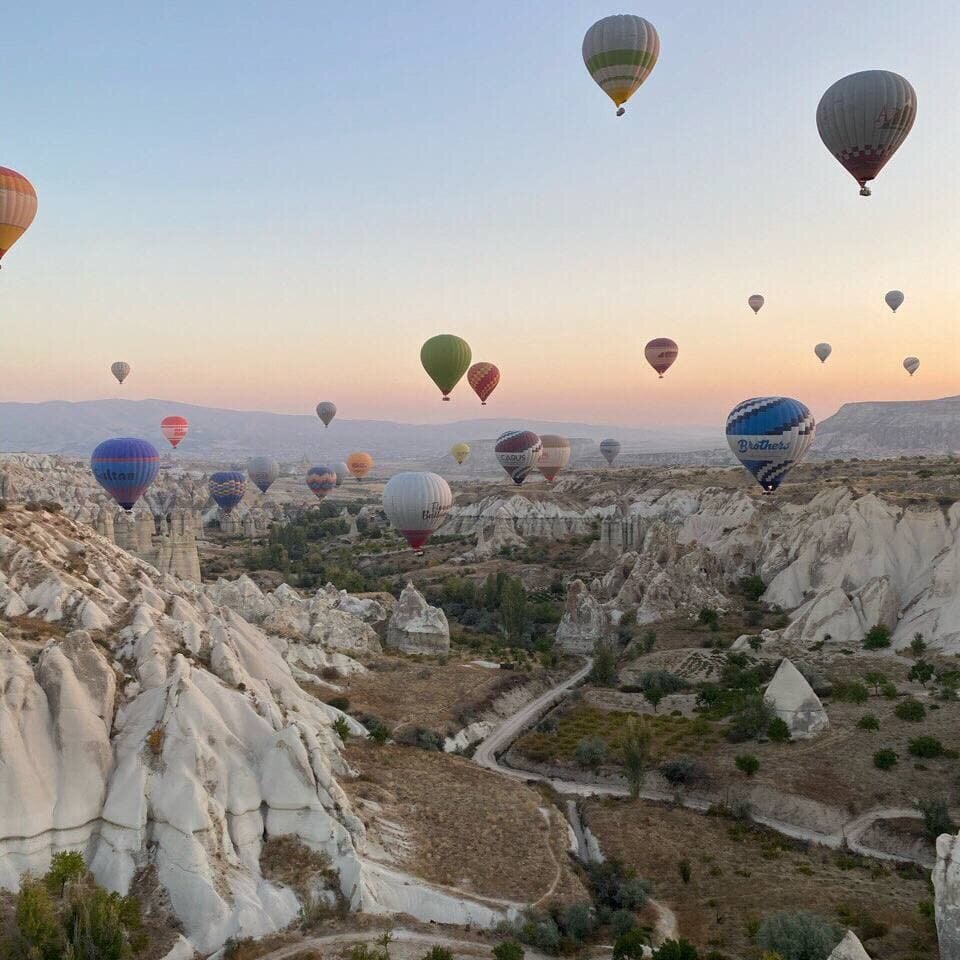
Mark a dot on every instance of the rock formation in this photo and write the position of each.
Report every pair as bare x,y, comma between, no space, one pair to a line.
849,948
584,622
495,536
416,627
792,699
946,892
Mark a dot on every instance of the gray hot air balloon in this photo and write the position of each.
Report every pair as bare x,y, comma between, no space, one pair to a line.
120,369
262,471
342,471
755,301
911,365
326,411
823,350
610,448
894,299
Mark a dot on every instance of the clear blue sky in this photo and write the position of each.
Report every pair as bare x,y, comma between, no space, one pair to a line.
268,204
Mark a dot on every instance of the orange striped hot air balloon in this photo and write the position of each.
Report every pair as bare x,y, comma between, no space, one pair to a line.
18,207
483,377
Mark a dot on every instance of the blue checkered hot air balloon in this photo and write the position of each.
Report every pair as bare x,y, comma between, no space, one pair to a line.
769,436
125,467
227,488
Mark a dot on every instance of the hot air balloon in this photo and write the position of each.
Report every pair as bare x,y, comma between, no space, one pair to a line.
341,470
326,411
823,350
359,464
174,429
894,298
416,504
554,456
321,480
483,377
660,354
445,358
120,369
769,436
619,52
756,301
864,118
227,488
262,471
911,365
517,452
610,448
460,451
18,207
125,467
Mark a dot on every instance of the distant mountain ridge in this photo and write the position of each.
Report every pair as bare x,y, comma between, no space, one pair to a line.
75,429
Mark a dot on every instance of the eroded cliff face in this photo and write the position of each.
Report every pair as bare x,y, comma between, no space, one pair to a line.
946,891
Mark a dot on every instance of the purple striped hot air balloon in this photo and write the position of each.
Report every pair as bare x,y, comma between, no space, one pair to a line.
227,488
125,467
321,480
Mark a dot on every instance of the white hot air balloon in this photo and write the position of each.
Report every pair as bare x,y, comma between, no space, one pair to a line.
120,369
619,52
416,504
756,301
911,365
894,299
823,350
554,456
342,471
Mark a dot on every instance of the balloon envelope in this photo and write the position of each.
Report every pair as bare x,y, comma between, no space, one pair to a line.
445,358
174,429
227,488
863,118
483,378
660,354
321,480
460,451
262,471
554,455
18,207
894,298
326,411
823,350
610,448
517,452
125,467
911,365
359,464
341,470
120,370
769,436
416,504
619,53
756,301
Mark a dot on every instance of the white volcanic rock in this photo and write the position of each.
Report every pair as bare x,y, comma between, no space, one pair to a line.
492,537
792,699
529,518
946,892
584,622
416,627
849,948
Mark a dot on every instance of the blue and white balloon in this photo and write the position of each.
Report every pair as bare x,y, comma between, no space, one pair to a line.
770,436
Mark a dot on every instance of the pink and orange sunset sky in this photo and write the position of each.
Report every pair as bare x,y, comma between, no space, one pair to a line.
264,205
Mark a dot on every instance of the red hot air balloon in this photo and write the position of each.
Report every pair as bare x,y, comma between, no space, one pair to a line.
483,378
174,429
660,354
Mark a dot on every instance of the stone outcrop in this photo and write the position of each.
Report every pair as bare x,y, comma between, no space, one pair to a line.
946,893
584,622
416,627
849,948
793,700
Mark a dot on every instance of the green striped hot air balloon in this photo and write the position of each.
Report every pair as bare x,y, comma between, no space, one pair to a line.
620,52
445,358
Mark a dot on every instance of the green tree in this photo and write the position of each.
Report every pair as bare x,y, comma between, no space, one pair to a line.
65,867
910,710
635,746
885,759
868,722
877,637
631,945
875,679
508,950
918,645
604,669
98,925
926,747
922,672
936,818
709,618
778,731
514,613
342,728
590,753
675,950
38,930
747,764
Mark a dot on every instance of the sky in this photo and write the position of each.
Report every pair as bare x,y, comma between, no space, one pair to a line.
262,205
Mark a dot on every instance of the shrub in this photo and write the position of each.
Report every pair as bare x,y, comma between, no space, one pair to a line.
36,919
868,722
604,670
339,703
922,672
936,818
798,935
342,728
851,692
929,748
578,921
910,709
508,950
877,637
540,931
635,747
750,720
683,772
675,950
709,618
885,759
875,679
439,953
752,587
685,871
778,731
621,922
630,945
918,645
65,867
615,887
888,690
377,730
421,737
590,753
747,764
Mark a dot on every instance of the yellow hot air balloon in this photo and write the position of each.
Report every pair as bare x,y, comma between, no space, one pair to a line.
359,464
18,207
620,52
460,451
